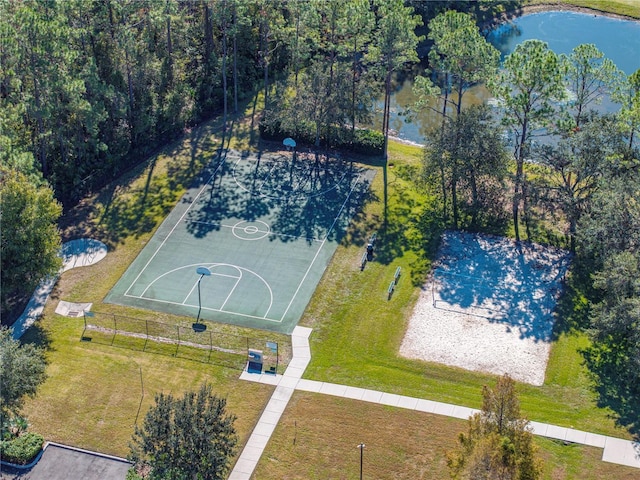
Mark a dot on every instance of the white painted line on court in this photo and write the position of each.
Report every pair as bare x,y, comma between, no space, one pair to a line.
319,249
173,229
195,285
244,315
238,279
271,232
221,309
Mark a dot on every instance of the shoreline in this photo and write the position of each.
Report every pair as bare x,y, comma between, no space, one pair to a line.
528,10
563,7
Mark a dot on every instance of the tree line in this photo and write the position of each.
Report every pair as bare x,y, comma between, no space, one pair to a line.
89,89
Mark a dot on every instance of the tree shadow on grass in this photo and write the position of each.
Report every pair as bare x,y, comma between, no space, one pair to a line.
618,389
38,336
137,201
573,306
411,224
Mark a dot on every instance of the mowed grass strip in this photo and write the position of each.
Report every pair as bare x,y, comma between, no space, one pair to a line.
95,393
318,438
358,331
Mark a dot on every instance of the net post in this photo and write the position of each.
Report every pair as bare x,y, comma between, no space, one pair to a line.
433,291
115,328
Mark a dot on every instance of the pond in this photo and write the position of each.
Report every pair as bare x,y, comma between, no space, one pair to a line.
618,39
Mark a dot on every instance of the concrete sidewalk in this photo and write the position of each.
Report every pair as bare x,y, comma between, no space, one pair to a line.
286,385
615,450
81,252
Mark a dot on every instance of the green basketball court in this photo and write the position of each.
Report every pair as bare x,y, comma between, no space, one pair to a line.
263,226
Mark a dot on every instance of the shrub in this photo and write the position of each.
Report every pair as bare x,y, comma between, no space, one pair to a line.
366,142
21,450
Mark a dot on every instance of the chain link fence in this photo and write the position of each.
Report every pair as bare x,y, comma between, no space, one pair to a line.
207,343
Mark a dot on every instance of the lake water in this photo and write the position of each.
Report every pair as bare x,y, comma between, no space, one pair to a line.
619,40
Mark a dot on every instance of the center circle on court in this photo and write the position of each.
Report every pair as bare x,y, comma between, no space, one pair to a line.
255,230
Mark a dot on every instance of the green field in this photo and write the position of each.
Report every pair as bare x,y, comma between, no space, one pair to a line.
629,8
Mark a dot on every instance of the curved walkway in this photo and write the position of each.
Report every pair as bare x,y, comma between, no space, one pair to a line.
615,450
76,253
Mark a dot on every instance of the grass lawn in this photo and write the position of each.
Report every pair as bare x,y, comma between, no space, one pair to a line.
317,438
629,8
350,345
95,393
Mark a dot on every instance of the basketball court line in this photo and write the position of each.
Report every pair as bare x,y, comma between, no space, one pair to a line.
142,270
233,289
228,312
271,232
320,249
265,282
195,284
310,266
249,230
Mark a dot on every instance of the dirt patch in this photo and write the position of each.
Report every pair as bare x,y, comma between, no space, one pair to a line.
488,306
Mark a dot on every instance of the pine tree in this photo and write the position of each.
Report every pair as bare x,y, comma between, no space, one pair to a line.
499,443
526,89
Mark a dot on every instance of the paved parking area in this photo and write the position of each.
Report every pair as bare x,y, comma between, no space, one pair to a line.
59,462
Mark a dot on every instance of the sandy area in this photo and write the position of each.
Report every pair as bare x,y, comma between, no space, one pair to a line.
488,306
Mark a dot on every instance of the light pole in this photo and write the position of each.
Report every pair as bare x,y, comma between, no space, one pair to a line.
361,447
202,271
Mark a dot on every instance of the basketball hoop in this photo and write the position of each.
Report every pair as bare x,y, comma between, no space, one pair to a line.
289,143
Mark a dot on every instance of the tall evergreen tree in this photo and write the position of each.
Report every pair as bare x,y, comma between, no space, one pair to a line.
358,24
526,89
627,93
461,57
394,47
460,54
589,77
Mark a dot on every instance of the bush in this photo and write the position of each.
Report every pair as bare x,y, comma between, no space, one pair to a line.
21,450
366,142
